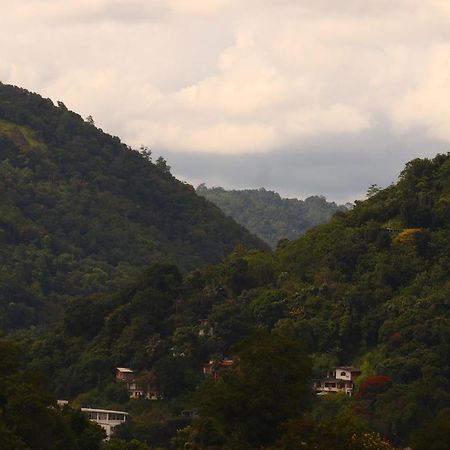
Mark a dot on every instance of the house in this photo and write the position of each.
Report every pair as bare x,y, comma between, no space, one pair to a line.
125,374
331,385
347,373
213,368
339,379
135,388
205,328
139,390
188,414
106,418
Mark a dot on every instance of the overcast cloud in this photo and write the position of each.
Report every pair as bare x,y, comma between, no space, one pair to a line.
311,96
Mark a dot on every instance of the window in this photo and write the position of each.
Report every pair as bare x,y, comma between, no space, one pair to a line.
117,417
102,416
343,374
92,415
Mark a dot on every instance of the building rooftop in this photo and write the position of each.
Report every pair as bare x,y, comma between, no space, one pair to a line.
125,369
103,411
333,380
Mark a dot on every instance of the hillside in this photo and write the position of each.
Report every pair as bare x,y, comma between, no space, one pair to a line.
269,216
81,212
370,289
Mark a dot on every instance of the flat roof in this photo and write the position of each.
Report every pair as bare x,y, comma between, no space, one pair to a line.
334,380
124,369
103,411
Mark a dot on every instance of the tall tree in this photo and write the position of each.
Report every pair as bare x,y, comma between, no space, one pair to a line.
267,385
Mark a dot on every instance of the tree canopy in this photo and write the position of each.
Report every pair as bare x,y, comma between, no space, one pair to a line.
369,288
82,213
269,216
267,385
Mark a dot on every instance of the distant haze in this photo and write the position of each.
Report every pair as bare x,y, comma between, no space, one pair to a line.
302,97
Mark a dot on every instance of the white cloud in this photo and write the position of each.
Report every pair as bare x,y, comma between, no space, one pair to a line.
199,7
428,103
234,77
56,12
336,118
244,89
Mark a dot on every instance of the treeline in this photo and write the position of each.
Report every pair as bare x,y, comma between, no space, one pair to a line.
80,212
29,415
371,288
269,216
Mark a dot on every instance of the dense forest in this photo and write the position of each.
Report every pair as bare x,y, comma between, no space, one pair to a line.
29,416
371,289
269,216
81,213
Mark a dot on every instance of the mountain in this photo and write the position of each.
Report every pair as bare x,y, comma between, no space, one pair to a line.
81,212
269,216
370,289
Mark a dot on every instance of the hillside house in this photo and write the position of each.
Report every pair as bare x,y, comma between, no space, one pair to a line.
339,379
213,368
347,373
205,328
106,418
125,374
135,388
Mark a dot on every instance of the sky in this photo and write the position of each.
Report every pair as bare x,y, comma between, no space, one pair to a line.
302,97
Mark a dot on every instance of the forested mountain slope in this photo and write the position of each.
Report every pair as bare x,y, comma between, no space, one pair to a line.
80,212
371,288
269,216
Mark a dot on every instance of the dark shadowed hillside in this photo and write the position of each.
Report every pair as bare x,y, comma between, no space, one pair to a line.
370,289
269,216
80,212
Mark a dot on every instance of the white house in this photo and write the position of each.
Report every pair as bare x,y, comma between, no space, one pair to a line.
339,379
347,373
106,418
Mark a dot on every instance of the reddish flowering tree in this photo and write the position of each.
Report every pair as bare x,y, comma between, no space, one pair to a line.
368,393
394,339
373,386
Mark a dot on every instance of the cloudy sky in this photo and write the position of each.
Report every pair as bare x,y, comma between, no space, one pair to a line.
300,96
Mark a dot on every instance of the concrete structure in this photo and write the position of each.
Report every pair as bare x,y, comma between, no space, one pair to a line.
213,368
136,389
347,373
339,379
331,385
106,418
125,374
205,328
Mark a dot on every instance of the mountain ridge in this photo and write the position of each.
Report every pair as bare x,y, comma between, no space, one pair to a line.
81,212
268,215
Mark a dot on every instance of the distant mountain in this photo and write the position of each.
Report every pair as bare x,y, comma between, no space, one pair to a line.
269,216
81,212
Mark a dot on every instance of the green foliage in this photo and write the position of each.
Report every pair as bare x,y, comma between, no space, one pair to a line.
29,417
267,386
439,429
269,216
340,433
118,444
82,213
370,288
